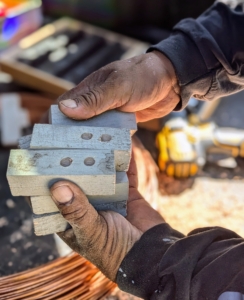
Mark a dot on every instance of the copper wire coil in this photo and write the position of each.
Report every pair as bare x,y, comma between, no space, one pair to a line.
66,278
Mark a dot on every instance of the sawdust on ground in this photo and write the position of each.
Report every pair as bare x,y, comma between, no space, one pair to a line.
209,202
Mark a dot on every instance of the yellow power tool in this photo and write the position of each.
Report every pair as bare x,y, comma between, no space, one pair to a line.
183,147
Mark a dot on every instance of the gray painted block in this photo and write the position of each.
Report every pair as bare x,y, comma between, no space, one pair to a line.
32,172
111,118
82,137
24,142
116,202
119,207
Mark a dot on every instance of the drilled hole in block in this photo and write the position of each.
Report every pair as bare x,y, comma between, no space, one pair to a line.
106,138
86,136
89,161
66,162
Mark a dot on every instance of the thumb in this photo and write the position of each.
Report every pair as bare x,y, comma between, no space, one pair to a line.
75,208
91,97
104,238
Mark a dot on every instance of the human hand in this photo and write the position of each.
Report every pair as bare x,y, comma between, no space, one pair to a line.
145,84
104,237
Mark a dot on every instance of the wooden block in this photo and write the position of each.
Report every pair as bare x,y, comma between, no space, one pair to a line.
24,142
44,204
111,119
49,223
121,191
54,222
73,137
32,172
13,119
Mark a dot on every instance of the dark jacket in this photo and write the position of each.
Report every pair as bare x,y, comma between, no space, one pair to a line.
208,57
208,53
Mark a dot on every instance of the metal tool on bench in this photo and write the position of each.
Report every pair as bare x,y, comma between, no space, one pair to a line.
185,144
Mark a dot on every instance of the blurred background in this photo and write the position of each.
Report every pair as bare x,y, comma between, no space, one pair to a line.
49,46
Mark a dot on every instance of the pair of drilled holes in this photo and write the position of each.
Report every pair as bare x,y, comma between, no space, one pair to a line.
89,161
104,137
67,161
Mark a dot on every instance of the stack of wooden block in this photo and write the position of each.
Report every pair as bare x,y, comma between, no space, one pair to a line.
94,154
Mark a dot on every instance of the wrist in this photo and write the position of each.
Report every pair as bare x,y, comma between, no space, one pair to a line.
168,68
138,273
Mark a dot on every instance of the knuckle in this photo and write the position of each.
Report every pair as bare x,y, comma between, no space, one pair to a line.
73,214
91,100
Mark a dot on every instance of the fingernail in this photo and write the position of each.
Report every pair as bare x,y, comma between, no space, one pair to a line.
62,195
69,103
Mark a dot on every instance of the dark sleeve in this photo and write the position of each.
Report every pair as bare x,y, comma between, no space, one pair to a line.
164,264
207,53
